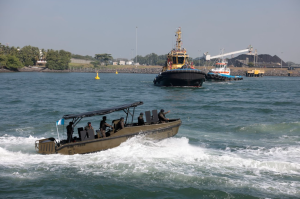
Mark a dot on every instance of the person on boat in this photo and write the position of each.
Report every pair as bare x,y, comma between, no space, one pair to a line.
103,126
162,116
89,126
120,124
70,131
141,119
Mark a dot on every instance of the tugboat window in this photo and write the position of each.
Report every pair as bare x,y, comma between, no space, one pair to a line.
180,60
174,60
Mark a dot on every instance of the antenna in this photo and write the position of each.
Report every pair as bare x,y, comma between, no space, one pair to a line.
136,46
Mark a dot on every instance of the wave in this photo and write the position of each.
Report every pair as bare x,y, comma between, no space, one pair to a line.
171,160
280,128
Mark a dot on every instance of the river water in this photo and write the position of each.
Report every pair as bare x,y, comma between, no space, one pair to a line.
237,139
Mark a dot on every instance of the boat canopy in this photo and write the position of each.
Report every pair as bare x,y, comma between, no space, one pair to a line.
102,111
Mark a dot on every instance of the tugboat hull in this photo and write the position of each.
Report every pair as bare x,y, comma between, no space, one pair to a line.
221,77
180,77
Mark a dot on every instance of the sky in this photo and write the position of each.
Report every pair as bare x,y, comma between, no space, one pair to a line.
99,26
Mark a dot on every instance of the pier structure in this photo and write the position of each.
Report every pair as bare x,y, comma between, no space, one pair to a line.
255,73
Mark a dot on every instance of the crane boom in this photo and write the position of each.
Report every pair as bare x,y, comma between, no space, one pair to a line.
208,57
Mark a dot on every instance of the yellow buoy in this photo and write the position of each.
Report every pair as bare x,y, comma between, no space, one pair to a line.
117,72
97,77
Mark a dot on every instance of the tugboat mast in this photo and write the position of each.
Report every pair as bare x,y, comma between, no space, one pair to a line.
178,41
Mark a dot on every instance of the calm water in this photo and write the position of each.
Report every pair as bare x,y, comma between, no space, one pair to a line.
237,139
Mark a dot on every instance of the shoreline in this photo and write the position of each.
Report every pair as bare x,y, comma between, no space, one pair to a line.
156,70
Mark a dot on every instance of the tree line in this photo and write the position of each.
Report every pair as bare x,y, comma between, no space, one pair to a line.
14,58
150,59
160,60
86,57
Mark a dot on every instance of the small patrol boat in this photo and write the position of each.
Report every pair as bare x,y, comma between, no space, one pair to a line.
88,142
178,71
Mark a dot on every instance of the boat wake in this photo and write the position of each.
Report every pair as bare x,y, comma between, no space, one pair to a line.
173,162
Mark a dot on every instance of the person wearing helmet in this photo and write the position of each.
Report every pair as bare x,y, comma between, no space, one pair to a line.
162,116
141,119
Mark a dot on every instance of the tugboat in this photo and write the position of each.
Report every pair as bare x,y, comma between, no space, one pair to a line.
178,71
221,73
88,142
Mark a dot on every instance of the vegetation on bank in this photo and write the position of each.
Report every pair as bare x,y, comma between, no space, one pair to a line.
76,66
14,58
58,60
86,57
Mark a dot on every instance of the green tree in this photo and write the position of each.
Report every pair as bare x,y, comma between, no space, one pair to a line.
87,57
151,59
44,54
52,59
103,57
29,55
64,59
13,63
96,64
140,59
3,60
58,60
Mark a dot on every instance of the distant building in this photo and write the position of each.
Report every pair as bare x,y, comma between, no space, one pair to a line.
137,64
41,60
129,62
115,63
122,62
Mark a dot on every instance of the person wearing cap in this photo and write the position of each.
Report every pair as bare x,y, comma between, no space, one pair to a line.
103,126
141,119
70,131
162,116
89,126
120,124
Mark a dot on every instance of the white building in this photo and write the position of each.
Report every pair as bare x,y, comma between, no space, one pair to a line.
122,62
115,63
41,61
129,62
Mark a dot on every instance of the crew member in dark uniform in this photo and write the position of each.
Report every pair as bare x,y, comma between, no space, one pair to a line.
120,124
141,119
70,131
103,126
162,116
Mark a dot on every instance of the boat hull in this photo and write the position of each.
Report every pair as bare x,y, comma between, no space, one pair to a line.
180,77
153,131
221,77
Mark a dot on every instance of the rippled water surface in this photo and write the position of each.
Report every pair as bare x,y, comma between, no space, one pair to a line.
237,139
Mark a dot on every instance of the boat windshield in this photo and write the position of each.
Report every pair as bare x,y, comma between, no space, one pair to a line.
174,60
180,60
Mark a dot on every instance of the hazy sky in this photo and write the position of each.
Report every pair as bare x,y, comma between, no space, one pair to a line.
92,27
